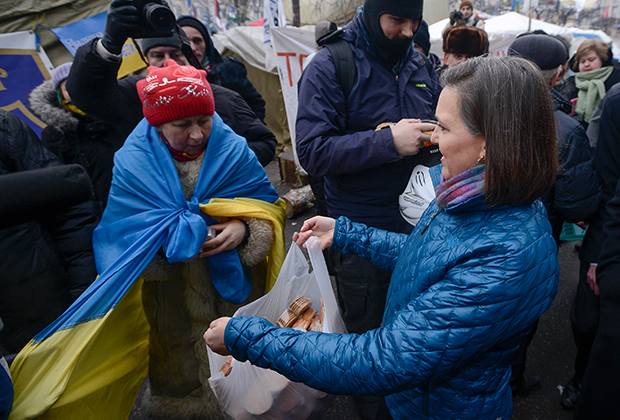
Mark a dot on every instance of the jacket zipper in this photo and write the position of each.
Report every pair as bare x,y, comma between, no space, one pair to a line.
430,221
427,399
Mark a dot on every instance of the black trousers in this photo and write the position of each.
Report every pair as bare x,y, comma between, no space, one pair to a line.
585,315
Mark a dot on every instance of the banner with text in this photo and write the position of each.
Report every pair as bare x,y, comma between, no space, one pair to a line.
292,46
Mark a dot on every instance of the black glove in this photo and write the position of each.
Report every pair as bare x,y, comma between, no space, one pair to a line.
123,20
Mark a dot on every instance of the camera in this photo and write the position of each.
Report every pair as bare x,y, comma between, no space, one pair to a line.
157,19
458,15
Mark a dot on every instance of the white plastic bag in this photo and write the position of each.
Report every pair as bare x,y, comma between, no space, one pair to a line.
250,392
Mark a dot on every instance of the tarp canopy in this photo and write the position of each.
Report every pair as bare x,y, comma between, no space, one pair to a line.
502,30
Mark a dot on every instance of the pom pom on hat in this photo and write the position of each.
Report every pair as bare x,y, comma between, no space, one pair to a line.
546,51
173,92
59,74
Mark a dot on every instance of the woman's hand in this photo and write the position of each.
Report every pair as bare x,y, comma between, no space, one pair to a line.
214,336
230,235
591,277
319,226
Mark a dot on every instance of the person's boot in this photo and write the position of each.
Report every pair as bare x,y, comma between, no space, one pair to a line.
570,395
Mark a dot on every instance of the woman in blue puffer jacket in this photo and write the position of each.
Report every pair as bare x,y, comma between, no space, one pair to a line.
467,284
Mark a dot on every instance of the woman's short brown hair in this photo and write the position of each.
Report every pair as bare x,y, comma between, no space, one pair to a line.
507,100
599,47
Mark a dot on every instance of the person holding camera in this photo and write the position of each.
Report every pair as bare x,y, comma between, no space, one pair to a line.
94,88
465,17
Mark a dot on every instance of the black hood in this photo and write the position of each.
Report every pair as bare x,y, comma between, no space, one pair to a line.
390,50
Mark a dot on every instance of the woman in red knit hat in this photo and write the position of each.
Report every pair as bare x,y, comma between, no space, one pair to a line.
177,184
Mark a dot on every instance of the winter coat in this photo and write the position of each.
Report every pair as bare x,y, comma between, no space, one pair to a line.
46,263
232,74
336,137
94,89
467,285
607,164
577,190
74,138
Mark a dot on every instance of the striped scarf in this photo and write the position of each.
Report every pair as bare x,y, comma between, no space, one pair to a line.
460,188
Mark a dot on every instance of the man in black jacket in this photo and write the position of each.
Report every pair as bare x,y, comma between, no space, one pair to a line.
587,309
600,388
46,263
94,88
576,192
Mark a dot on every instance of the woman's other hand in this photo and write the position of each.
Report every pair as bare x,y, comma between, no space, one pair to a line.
214,336
230,235
591,278
319,226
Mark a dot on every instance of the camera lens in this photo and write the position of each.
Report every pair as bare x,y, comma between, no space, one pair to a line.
159,17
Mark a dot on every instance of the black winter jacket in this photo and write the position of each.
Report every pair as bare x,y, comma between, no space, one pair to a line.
94,89
85,140
46,263
576,193
607,164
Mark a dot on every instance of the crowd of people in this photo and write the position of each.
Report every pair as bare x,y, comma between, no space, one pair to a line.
441,293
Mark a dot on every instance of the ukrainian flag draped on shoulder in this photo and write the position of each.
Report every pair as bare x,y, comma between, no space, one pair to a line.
91,361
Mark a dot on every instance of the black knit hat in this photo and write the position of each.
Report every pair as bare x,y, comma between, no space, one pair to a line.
170,41
422,37
390,50
547,52
196,24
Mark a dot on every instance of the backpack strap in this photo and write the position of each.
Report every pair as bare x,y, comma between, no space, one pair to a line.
344,61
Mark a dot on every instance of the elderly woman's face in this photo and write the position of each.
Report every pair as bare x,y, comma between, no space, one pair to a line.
188,135
590,61
461,151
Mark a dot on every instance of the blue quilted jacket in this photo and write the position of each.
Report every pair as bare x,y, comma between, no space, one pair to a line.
466,286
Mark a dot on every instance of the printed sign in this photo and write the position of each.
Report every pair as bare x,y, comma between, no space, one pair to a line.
22,68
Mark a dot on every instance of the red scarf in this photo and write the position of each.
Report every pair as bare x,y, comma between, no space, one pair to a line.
181,156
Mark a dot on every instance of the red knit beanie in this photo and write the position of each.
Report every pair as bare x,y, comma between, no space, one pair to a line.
172,92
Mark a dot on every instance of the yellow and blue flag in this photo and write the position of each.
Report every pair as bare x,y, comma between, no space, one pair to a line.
91,361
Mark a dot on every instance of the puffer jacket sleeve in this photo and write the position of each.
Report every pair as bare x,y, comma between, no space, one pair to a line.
479,304
378,246
322,145
577,187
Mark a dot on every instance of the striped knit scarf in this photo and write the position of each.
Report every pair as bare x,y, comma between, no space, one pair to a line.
460,188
